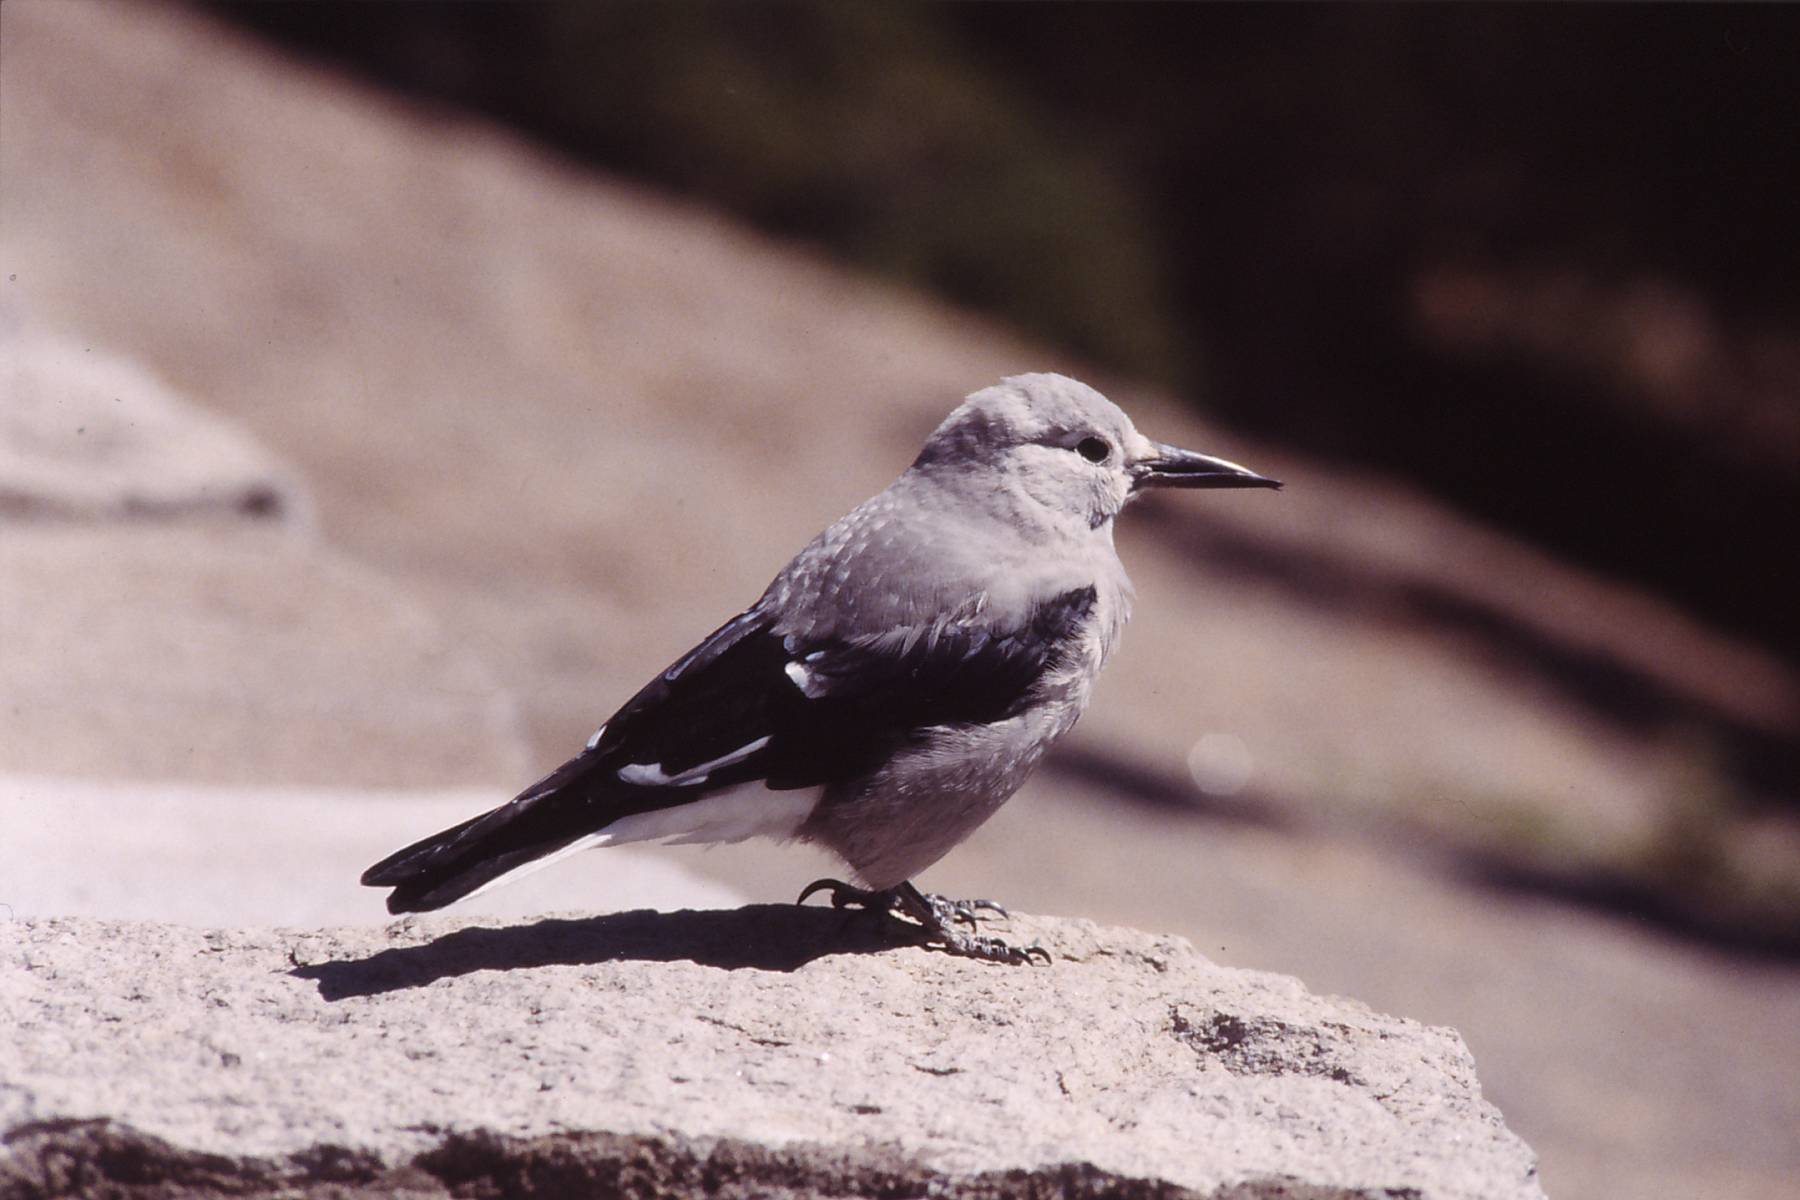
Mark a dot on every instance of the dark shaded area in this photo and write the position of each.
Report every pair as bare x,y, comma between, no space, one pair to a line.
1313,166
74,1157
612,1165
1537,258
102,1158
760,937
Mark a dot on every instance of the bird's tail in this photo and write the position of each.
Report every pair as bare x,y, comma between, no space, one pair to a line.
466,858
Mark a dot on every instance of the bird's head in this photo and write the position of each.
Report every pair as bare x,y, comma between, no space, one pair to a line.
1056,443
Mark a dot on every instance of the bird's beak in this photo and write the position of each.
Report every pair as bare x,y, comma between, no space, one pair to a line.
1171,466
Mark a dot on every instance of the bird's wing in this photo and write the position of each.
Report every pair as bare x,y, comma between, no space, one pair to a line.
750,704
746,705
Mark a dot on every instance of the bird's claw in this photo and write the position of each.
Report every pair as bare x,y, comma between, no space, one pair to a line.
844,895
991,949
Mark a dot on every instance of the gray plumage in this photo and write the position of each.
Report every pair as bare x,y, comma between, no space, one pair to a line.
896,682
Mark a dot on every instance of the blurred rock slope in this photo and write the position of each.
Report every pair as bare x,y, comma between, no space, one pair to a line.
582,424
88,436
168,610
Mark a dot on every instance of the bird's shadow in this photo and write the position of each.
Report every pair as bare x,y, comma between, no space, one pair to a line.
760,937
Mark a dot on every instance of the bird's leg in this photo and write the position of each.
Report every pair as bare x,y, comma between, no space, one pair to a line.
935,917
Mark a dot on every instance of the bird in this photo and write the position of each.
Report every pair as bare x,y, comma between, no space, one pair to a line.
892,687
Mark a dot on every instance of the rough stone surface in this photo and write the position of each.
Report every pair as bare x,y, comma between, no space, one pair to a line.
763,1050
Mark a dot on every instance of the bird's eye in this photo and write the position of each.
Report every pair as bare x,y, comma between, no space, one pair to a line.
1094,449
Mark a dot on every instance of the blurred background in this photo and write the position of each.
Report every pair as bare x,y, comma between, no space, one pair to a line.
386,390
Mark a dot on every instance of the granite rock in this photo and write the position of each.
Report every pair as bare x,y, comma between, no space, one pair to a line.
763,1050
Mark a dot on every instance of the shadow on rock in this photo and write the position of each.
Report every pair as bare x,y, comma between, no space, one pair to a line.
763,937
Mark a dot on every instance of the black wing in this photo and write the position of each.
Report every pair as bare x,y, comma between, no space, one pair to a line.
749,704
829,709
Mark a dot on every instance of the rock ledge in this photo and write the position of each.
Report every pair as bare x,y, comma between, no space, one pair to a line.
769,1050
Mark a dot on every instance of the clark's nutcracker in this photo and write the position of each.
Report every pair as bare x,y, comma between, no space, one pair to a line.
891,689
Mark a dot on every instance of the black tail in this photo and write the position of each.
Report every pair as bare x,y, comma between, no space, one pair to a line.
447,866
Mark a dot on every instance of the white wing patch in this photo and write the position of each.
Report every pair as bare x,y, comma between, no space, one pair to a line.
652,774
745,811
595,740
802,678
538,864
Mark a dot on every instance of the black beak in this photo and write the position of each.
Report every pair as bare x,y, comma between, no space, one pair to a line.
1172,466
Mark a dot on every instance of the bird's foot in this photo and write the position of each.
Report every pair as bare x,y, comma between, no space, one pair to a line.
927,908
935,917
